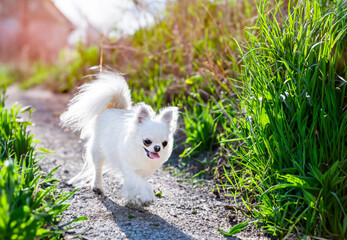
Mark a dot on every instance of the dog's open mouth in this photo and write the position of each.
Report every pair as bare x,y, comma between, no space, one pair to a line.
151,155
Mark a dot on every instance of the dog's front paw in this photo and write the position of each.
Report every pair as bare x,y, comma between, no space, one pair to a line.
98,191
146,204
146,198
133,203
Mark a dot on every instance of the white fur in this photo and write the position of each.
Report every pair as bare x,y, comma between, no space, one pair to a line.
115,132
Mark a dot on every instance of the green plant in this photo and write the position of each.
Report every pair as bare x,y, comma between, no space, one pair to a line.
159,193
235,229
290,166
30,204
200,125
14,137
154,94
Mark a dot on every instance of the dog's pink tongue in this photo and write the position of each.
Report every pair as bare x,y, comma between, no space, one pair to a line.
154,155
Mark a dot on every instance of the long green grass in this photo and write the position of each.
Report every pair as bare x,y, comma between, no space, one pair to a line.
290,168
31,206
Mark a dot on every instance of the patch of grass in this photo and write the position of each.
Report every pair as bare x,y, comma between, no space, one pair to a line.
290,165
201,123
206,126
30,204
14,137
155,95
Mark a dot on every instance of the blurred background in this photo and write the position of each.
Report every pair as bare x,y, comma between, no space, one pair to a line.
53,43
39,29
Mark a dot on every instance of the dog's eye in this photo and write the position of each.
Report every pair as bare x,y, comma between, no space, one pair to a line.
147,142
164,143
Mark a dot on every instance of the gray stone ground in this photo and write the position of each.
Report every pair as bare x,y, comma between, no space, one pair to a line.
183,212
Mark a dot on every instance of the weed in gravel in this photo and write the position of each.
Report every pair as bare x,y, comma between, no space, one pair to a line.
159,193
235,229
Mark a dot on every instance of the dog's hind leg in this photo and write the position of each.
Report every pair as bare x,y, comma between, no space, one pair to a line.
98,160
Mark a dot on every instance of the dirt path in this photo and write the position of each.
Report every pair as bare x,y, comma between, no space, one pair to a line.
183,212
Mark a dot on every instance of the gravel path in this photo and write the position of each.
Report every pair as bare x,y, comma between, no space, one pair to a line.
183,212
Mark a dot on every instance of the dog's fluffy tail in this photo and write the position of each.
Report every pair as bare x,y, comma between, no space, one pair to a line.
108,90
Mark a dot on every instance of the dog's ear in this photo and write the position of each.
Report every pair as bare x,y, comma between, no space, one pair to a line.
170,116
144,112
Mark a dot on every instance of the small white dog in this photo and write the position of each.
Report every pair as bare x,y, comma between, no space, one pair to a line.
132,138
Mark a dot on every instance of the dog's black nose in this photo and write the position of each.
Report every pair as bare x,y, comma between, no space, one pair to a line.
156,148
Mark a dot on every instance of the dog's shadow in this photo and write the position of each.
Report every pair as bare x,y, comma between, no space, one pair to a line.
141,224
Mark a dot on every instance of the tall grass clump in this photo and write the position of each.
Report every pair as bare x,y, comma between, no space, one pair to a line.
202,124
290,168
31,206
190,39
187,45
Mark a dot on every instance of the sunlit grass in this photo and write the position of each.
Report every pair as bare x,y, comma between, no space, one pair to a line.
30,204
292,162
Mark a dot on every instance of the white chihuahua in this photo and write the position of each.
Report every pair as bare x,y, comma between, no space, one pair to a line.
132,138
